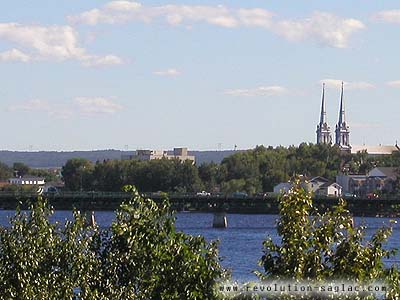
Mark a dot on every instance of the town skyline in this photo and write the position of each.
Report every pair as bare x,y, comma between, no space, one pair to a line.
158,75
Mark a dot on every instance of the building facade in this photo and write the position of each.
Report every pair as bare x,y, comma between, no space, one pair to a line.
318,186
379,179
178,153
27,181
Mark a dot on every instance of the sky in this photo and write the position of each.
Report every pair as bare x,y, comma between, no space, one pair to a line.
85,75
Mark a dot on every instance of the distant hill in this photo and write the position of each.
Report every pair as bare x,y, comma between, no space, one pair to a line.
211,156
54,159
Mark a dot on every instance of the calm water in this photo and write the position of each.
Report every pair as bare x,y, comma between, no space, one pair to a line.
240,243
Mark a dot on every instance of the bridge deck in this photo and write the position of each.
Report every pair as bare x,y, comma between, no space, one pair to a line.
111,200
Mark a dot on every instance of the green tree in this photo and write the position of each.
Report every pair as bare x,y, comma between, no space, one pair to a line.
142,256
41,260
21,169
318,246
77,174
5,171
145,257
186,177
43,173
110,175
233,185
208,174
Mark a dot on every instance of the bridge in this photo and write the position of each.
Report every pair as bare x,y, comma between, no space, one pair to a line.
95,201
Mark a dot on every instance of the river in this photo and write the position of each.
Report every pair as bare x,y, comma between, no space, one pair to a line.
241,243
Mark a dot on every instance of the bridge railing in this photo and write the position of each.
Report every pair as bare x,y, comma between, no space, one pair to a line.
172,196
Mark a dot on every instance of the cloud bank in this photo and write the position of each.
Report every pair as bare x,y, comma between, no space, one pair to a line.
348,85
55,42
321,27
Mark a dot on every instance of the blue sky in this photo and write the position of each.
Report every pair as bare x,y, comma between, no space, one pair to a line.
156,74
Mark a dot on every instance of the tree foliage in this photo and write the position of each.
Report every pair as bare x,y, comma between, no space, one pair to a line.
5,171
77,174
142,256
323,246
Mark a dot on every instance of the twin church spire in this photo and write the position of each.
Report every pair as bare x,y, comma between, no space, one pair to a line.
342,132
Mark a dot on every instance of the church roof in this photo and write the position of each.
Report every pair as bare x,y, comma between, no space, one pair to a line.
374,150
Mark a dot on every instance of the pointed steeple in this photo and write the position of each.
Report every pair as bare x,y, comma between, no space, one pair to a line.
342,114
322,119
323,130
342,130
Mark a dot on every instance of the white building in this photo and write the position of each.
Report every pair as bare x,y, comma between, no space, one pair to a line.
329,190
178,153
319,186
375,150
28,180
315,183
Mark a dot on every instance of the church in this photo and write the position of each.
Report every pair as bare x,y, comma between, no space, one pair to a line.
342,132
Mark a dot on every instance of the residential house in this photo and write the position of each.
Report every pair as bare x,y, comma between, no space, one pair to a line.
380,179
329,189
282,187
319,186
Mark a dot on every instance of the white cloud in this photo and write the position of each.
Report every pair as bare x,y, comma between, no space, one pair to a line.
107,60
323,28
97,105
41,107
365,125
349,85
31,106
394,84
48,43
389,16
168,72
267,91
80,105
256,17
124,11
14,55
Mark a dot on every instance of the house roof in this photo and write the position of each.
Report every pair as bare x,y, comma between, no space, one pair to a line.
55,183
28,178
374,150
320,179
387,171
328,184
283,184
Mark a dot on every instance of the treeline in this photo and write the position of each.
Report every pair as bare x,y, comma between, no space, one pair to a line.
252,171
